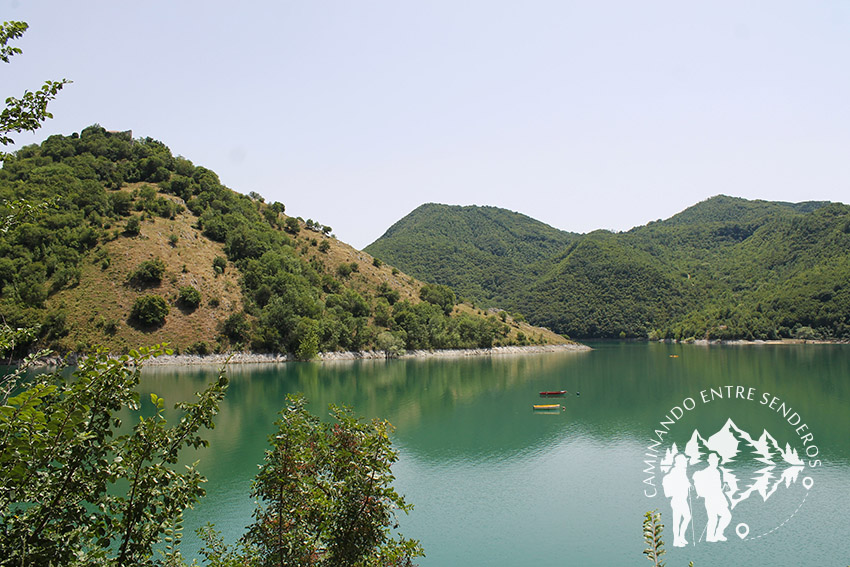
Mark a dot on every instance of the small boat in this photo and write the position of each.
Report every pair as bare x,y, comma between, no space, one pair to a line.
553,393
546,406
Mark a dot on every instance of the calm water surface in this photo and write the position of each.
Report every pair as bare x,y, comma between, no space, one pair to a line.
495,484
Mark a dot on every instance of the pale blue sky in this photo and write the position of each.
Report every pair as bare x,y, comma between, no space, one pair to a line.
585,115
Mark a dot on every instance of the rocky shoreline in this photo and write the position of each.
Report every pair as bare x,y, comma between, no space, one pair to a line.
257,358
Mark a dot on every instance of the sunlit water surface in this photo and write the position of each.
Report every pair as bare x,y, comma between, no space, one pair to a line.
494,483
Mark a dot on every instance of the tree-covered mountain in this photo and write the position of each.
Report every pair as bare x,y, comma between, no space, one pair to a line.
117,242
723,268
484,253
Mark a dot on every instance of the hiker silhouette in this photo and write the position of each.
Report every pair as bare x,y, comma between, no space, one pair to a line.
677,487
708,484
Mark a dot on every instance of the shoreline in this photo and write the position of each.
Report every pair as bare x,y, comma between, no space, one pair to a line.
756,342
258,358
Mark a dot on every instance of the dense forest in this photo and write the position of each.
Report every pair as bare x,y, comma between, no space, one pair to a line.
118,242
725,268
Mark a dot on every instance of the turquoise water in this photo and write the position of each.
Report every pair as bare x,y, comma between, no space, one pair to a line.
494,483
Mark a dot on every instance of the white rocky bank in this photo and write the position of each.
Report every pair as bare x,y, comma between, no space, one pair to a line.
252,358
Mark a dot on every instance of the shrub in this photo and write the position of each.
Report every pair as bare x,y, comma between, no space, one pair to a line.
271,217
189,297
324,246
438,295
149,272
200,347
291,225
343,270
388,293
219,264
377,262
149,310
76,484
134,226
236,328
172,239
121,203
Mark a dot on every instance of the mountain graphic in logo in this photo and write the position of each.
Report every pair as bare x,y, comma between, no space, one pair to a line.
723,470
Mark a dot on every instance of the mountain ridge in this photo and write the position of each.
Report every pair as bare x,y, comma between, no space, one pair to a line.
724,268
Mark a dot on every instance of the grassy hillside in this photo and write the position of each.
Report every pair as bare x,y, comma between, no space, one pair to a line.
723,268
129,245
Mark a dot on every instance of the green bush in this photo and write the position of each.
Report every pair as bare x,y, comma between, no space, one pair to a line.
343,270
81,489
200,347
149,310
134,226
438,295
189,297
291,225
388,293
149,272
219,264
236,328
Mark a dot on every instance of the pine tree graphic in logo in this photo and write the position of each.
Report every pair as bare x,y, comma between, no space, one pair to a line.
721,472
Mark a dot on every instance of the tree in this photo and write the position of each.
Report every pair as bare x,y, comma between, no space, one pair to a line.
291,225
134,226
149,310
325,494
391,344
23,114
438,295
75,491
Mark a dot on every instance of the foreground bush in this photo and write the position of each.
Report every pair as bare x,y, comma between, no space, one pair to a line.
74,490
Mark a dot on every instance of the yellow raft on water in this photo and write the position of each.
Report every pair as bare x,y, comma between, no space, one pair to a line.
546,406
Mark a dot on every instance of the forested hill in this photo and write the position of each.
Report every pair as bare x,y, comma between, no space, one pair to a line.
457,246
723,268
114,241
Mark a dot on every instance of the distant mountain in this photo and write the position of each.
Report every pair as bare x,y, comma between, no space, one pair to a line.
109,240
723,268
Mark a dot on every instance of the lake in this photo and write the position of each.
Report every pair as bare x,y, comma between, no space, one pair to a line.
495,483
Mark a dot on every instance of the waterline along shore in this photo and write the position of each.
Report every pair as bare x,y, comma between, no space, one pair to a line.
258,358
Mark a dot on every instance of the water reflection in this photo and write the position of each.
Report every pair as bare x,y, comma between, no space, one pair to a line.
494,483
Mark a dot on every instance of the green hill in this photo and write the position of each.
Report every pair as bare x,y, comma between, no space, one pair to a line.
459,247
116,242
723,268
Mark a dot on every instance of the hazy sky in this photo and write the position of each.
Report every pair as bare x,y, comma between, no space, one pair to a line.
585,115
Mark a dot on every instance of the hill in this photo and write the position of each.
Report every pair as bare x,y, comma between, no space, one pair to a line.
129,245
723,268
460,246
